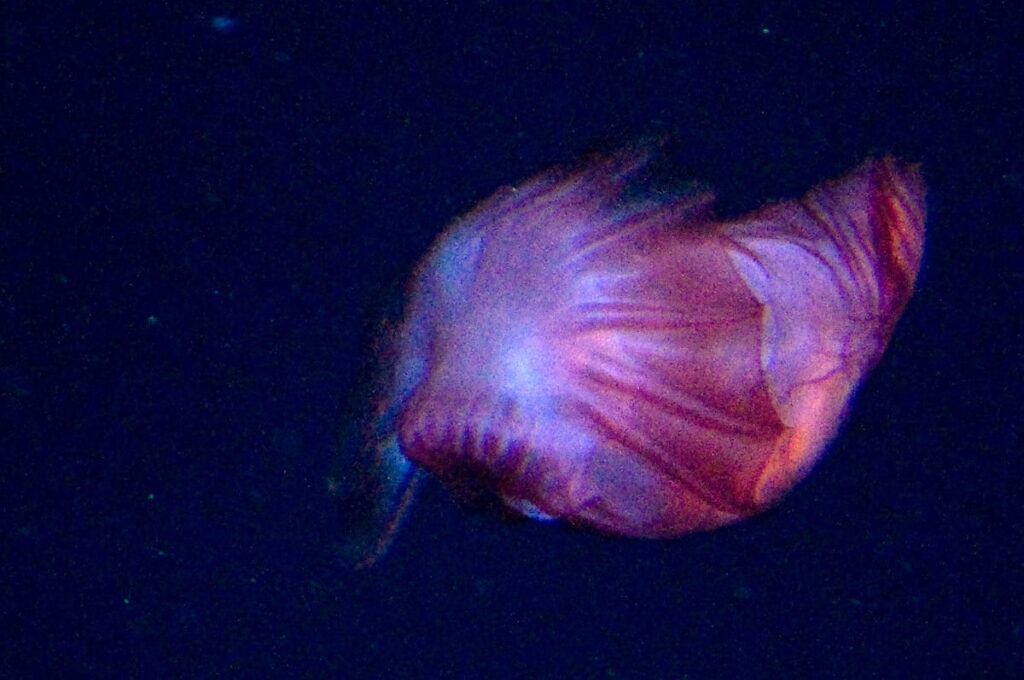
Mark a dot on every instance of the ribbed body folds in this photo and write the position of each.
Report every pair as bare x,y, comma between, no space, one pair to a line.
644,368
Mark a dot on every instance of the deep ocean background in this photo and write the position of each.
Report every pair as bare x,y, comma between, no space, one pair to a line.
202,205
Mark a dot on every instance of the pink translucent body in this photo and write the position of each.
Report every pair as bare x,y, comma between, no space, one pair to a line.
647,369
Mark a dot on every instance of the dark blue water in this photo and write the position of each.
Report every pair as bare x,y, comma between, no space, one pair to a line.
203,207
